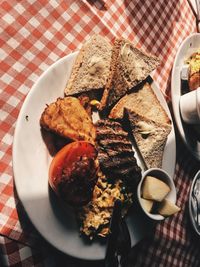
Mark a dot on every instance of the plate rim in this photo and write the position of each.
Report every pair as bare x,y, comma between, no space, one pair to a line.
197,176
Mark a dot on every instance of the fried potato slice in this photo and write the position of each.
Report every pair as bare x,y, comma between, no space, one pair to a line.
69,119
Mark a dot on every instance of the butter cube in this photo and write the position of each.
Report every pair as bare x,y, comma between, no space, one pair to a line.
146,204
154,189
167,208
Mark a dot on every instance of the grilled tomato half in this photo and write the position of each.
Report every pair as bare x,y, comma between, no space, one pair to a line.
73,172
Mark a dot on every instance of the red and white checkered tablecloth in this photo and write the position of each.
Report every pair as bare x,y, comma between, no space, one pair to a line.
36,33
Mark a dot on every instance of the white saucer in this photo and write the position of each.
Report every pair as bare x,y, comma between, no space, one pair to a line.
192,213
187,132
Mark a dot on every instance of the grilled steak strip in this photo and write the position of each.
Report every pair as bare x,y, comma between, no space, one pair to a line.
115,153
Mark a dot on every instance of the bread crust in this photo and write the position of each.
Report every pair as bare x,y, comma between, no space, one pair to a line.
115,79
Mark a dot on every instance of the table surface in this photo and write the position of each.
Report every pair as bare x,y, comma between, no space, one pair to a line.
34,35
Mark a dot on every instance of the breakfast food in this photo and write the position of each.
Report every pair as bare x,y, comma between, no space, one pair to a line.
85,102
67,118
91,68
149,122
142,101
192,65
154,197
115,153
154,189
150,138
167,208
147,204
194,70
95,216
73,172
120,176
129,66
99,165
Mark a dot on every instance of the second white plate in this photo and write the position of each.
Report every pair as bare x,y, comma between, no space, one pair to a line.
189,46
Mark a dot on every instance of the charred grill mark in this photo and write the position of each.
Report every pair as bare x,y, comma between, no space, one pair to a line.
116,156
115,144
106,133
117,165
124,153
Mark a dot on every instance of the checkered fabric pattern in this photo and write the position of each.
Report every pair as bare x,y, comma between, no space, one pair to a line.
36,33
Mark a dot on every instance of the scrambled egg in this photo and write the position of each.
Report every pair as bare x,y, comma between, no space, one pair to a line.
95,216
194,62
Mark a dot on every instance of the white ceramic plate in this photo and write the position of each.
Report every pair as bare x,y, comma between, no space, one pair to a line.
189,46
31,163
192,204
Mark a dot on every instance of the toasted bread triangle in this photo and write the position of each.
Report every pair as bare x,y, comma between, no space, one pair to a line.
91,68
142,101
129,67
150,137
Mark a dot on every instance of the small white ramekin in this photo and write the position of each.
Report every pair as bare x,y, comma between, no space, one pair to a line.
163,176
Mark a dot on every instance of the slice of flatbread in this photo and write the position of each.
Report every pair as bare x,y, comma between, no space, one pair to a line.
129,66
91,68
142,101
150,138
67,118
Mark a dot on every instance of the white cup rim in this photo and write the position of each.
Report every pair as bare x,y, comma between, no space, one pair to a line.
198,101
